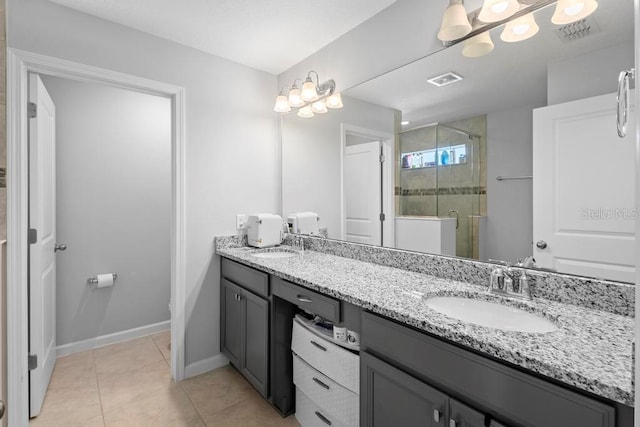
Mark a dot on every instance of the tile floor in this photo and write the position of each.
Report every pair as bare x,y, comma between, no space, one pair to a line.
129,384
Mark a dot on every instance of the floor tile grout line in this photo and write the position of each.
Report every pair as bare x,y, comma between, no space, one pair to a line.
95,372
180,384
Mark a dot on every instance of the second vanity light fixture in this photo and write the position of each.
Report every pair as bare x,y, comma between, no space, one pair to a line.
313,98
457,25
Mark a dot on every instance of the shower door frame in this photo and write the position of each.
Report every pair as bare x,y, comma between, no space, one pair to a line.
19,65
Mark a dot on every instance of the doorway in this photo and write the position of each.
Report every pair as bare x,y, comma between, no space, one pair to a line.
110,197
20,64
367,176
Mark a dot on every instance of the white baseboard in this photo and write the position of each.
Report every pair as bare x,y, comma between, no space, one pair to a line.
90,344
205,365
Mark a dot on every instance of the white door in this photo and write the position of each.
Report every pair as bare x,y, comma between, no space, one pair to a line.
42,266
362,181
584,190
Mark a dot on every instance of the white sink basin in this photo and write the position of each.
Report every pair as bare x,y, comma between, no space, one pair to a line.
275,254
490,314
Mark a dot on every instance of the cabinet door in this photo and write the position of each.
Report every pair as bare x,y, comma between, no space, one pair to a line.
231,321
255,364
390,397
460,415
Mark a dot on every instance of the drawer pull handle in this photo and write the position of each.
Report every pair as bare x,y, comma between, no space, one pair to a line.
323,418
452,423
320,383
303,298
318,345
436,416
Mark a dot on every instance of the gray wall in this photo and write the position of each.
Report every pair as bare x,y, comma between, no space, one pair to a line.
592,74
222,128
113,181
510,203
378,45
311,158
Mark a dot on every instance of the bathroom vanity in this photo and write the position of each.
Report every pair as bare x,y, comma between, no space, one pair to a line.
420,366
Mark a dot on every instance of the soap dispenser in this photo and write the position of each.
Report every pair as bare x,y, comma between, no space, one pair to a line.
497,279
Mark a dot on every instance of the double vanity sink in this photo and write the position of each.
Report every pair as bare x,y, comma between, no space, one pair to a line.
583,349
497,314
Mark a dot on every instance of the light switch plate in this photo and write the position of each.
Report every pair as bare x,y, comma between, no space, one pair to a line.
241,221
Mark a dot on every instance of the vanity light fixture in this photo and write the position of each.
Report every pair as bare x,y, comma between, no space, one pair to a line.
478,45
520,29
497,10
314,98
305,112
334,101
516,15
568,11
455,23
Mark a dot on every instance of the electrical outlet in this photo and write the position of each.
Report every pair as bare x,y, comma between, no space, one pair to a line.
241,221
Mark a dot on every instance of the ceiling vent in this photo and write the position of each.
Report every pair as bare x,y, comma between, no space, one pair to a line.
445,79
577,30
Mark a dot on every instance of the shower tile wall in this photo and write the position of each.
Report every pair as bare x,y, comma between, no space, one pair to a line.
435,191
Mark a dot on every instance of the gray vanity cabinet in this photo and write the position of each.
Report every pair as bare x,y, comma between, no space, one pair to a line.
244,336
231,319
393,395
499,391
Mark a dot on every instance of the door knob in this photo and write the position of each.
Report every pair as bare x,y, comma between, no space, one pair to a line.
61,247
541,244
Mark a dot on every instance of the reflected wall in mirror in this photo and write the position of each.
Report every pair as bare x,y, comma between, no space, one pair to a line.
528,133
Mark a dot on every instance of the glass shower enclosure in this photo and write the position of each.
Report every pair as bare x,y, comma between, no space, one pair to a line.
440,176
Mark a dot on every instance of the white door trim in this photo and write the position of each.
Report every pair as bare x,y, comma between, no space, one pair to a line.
388,178
19,64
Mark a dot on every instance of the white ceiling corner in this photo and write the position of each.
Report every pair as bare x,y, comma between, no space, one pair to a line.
271,35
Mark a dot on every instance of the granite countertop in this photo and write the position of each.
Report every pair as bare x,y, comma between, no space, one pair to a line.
592,350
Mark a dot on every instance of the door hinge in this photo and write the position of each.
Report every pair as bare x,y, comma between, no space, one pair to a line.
33,361
383,217
382,159
33,236
32,110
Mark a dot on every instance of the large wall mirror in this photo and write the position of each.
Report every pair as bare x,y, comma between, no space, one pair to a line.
517,160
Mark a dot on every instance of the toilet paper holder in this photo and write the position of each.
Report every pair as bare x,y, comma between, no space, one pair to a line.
94,279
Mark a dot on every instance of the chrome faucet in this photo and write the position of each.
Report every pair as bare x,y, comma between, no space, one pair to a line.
298,243
504,281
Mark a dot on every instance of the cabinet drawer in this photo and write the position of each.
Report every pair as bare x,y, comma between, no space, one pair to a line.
253,280
515,396
343,404
309,414
332,360
316,303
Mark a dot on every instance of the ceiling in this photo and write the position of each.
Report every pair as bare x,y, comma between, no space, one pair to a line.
512,72
269,35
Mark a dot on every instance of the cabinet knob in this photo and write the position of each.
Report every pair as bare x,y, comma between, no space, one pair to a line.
238,297
436,416
452,423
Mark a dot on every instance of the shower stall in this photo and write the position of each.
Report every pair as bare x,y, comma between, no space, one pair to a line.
440,176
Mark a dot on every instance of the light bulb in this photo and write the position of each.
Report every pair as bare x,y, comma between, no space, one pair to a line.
334,101
568,11
520,29
282,104
295,100
497,10
319,107
309,91
305,112
455,23
477,46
